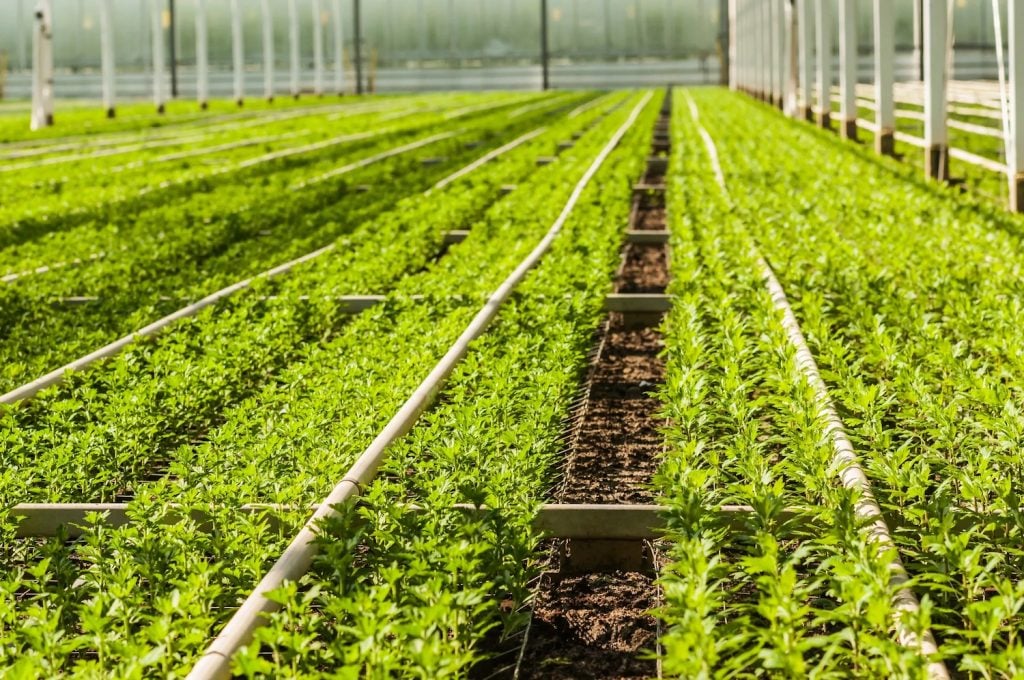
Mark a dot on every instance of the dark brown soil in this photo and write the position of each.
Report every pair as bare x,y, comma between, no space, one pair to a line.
617,439
644,269
599,625
580,629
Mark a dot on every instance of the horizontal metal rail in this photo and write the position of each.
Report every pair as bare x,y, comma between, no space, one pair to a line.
954,152
578,521
298,556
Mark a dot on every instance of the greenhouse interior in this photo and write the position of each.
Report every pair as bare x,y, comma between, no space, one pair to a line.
512,340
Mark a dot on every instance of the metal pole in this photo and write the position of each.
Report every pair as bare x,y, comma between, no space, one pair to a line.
885,55
771,41
339,50
824,28
805,44
268,50
1015,157
237,52
935,131
107,65
202,56
293,47
172,28
919,37
357,26
318,50
159,66
545,82
848,68
42,66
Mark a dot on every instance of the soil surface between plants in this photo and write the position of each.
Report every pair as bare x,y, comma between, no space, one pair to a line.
599,625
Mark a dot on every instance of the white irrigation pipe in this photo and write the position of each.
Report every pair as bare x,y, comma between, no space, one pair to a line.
845,458
586,106
298,556
376,157
56,376
7,278
206,150
209,126
487,157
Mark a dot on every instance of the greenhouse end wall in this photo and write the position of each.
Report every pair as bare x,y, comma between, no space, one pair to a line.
407,44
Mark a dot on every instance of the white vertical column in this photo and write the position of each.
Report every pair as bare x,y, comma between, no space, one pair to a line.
293,46
339,49
805,44
918,6
783,20
238,52
771,56
764,50
159,67
318,49
202,56
848,68
823,23
885,55
268,50
935,133
1015,149
42,66
107,56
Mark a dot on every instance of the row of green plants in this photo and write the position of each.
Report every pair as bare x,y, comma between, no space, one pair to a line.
167,391
77,121
908,294
38,200
793,588
144,600
184,251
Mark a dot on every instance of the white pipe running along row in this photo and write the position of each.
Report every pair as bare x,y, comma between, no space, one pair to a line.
56,376
850,472
298,556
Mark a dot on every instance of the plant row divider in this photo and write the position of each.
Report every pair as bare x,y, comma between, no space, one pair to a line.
298,556
850,472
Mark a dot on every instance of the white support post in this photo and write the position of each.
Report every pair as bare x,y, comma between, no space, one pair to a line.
783,20
293,46
805,45
848,68
823,16
935,130
318,49
202,56
157,15
885,56
764,50
339,49
268,50
732,47
238,52
771,55
1015,149
107,56
42,66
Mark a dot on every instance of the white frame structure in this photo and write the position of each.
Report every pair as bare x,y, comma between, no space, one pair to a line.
238,52
885,56
339,49
267,18
848,68
107,64
936,132
318,48
293,48
158,49
202,56
823,35
42,66
1015,143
